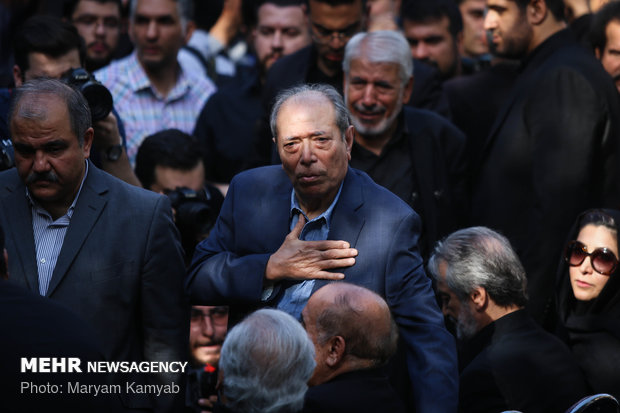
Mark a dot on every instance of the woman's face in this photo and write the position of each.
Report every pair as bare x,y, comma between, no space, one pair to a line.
587,283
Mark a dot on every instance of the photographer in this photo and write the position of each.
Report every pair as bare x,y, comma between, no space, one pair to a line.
48,47
170,162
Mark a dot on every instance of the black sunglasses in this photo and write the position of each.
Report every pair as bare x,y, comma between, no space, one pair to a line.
603,260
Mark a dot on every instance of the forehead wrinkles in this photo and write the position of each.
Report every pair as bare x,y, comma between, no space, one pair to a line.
31,107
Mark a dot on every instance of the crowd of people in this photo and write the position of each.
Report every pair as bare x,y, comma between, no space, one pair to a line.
320,205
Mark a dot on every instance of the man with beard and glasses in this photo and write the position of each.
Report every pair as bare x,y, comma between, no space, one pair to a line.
507,361
553,150
415,153
227,127
99,23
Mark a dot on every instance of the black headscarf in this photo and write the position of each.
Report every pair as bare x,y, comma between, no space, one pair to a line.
592,329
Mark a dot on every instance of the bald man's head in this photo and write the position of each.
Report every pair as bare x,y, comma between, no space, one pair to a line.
351,328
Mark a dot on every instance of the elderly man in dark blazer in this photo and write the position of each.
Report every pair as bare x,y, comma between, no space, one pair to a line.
105,249
285,231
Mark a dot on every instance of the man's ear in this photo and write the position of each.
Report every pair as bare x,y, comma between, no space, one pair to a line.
537,12
349,137
189,30
408,90
335,351
597,53
18,76
480,298
88,141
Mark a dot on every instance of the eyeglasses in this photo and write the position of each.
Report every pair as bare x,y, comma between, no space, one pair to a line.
323,35
603,260
217,315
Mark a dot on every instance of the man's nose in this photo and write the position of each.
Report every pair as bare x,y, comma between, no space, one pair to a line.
276,40
369,96
40,163
99,28
207,327
152,30
421,51
490,22
307,152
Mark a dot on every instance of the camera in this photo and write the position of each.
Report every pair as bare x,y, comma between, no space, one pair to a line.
202,383
98,96
195,214
7,156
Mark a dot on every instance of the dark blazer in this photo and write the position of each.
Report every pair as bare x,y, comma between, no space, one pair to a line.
229,266
437,148
120,268
37,327
552,153
513,364
358,391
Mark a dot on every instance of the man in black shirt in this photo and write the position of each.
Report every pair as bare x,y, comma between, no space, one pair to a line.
414,153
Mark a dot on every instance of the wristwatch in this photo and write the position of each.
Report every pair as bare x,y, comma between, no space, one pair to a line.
114,152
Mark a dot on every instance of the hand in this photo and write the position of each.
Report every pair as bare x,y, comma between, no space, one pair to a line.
306,260
207,404
106,132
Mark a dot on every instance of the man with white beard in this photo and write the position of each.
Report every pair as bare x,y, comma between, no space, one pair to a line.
415,153
507,361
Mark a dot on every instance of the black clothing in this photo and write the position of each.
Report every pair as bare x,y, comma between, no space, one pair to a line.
228,127
592,329
553,152
475,101
423,164
357,391
34,326
513,364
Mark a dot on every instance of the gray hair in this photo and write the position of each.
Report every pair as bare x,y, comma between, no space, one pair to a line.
382,46
305,91
480,257
347,319
77,107
185,8
266,361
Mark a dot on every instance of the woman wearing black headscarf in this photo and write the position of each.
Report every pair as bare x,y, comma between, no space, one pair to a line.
588,298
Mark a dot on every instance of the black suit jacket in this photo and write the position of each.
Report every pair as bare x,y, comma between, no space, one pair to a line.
513,364
554,151
357,391
120,267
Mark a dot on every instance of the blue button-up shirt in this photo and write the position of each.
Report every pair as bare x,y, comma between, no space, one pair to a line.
296,296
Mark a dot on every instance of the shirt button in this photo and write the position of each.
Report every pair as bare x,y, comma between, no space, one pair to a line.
42,260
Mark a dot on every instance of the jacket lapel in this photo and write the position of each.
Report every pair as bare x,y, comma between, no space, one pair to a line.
19,220
90,204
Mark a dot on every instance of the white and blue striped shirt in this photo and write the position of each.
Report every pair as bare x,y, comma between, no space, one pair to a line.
49,236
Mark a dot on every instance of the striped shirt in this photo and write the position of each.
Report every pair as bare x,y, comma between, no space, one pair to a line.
144,110
49,236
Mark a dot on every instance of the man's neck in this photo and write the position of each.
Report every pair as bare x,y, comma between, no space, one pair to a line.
545,31
376,143
165,79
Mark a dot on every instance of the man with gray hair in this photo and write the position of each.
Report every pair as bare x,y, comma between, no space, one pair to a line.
415,153
286,230
150,89
103,248
507,361
265,364
349,355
